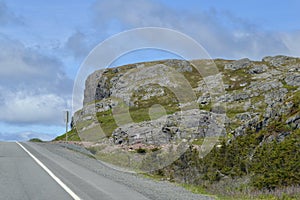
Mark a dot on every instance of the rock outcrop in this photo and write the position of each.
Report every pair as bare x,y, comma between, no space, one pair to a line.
255,94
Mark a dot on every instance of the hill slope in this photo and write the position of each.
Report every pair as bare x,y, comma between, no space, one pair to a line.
145,109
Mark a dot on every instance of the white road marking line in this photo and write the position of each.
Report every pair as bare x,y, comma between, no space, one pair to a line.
64,186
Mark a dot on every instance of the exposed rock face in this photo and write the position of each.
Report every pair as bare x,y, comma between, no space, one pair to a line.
91,84
187,125
258,69
279,61
256,94
293,79
294,121
239,64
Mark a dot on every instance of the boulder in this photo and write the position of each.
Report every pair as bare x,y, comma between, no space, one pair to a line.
293,79
239,64
258,69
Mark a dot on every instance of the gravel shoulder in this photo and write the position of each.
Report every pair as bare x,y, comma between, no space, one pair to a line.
151,189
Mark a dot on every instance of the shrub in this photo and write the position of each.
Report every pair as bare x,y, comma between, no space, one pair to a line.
35,140
141,150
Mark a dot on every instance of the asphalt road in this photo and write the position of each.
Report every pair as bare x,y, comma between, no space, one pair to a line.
21,177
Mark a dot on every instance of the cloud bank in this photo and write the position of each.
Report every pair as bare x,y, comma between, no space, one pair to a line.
33,87
24,136
222,33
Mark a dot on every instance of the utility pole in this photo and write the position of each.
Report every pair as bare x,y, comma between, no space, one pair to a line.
67,123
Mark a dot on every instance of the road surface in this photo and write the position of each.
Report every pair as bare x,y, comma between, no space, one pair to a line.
51,171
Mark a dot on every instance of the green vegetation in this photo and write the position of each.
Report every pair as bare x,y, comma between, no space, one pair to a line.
277,164
72,136
140,111
107,122
141,150
236,79
198,141
193,77
206,107
257,165
197,189
261,164
289,87
35,140
234,111
296,101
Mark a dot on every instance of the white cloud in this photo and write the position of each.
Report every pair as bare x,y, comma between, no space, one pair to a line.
77,45
22,107
220,32
20,65
33,86
292,41
25,136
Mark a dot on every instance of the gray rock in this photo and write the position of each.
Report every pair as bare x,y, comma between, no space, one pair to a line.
91,84
239,64
204,99
181,125
243,116
281,136
265,95
278,61
103,89
179,65
293,79
240,96
264,86
275,96
258,69
294,121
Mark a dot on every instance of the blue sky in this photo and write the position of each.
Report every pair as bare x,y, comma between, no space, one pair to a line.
43,44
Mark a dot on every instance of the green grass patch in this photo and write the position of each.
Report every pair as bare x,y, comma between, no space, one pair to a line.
207,107
236,79
107,122
193,77
72,136
289,87
232,112
198,141
35,140
197,189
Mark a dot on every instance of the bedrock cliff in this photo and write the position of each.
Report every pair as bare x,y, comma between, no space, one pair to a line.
234,123
172,99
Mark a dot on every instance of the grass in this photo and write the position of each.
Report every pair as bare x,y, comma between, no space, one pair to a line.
35,140
198,141
83,124
127,160
289,87
140,112
72,136
288,193
107,122
296,100
193,77
206,107
241,77
231,113
197,190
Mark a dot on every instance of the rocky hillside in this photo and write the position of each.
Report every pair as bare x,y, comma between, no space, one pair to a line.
256,92
147,109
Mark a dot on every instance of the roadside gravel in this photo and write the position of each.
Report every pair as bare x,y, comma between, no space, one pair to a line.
152,189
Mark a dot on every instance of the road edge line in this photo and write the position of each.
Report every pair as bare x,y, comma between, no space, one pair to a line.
51,174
